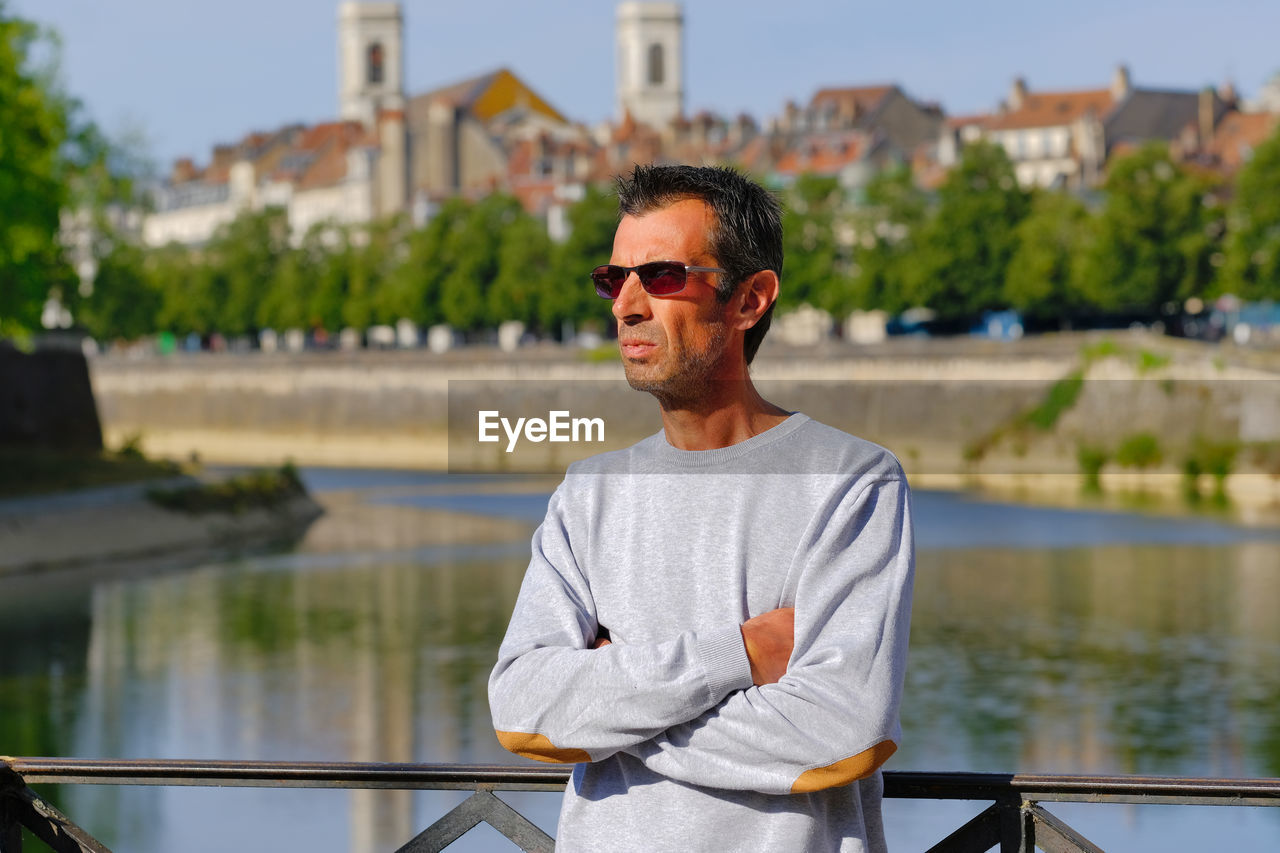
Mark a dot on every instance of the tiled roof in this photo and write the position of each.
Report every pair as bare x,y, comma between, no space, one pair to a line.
488,95
320,135
317,156
824,154
1237,135
329,167
1153,114
867,98
1053,109
756,155
463,93
977,120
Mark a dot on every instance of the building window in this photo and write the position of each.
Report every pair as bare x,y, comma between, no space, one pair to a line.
656,71
373,63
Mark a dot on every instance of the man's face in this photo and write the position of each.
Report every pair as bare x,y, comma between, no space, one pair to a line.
672,346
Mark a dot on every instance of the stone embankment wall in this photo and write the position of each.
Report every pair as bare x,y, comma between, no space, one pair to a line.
932,406
46,400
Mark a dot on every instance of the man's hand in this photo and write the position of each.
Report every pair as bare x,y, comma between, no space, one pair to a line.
769,638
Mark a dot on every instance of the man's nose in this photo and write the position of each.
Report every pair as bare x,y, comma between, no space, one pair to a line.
632,302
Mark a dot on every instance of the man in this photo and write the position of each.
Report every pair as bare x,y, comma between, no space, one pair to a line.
714,622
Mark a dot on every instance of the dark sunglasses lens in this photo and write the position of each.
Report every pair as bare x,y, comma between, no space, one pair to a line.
662,277
608,280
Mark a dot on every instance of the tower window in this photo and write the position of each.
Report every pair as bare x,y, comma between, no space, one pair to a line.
373,63
656,70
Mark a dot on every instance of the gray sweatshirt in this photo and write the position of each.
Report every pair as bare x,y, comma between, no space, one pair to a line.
669,551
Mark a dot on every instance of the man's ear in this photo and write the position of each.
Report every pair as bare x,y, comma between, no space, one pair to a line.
755,296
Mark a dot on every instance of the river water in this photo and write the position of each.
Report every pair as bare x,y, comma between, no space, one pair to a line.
1043,640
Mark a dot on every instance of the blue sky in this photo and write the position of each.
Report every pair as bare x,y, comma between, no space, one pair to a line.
189,74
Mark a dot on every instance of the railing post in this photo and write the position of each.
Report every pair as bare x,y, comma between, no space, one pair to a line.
1027,820
10,827
1013,837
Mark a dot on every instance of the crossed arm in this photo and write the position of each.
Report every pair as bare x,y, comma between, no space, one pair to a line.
792,700
768,640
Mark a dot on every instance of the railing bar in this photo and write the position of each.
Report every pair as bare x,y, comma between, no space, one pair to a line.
911,784
481,806
1052,835
396,784
1222,799
897,783
292,769
979,835
516,827
288,774
460,820
51,826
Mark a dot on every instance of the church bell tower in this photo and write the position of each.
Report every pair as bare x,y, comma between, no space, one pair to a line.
650,62
371,91
370,60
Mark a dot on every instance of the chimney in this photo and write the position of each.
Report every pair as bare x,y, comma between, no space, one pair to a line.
791,116
1120,86
1228,95
1018,93
1205,114
184,170
223,156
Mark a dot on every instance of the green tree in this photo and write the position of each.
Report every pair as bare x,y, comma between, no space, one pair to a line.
242,258
383,251
125,301
965,246
813,262
355,268
569,294
185,299
412,290
524,270
35,128
328,246
887,230
1252,263
284,303
1043,277
464,291
1155,237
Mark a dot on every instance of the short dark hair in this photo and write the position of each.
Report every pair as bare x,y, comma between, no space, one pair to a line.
746,237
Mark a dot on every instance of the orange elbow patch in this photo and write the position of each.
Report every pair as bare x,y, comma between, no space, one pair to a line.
539,748
845,770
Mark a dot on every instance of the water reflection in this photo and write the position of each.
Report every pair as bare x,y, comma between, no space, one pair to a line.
1149,659
1154,658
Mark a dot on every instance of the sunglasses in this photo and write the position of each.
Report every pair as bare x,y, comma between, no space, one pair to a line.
658,278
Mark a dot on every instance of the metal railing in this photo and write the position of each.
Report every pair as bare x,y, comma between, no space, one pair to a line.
1016,820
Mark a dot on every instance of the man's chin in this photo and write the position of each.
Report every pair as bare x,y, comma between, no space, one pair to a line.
671,392
643,380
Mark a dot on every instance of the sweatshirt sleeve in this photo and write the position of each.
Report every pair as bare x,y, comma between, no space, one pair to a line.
833,717
554,698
